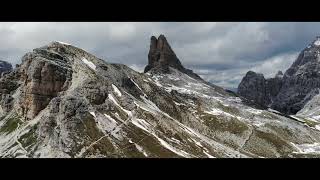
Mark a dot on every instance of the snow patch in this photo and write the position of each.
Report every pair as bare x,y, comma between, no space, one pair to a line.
141,150
142,124
274,111
168,146
258,123
110,118
214,112
117,104
116,90
89,63
93,114
307,148
317,42
254,111
136,84
209,155
217,112
63,43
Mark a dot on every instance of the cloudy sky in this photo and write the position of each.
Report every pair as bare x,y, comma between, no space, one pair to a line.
220,52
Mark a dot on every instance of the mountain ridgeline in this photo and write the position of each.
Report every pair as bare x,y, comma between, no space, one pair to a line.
286,93
63,102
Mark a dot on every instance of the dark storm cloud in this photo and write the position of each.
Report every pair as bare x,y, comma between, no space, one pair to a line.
220,52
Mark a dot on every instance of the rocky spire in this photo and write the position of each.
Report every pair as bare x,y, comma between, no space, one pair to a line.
161,57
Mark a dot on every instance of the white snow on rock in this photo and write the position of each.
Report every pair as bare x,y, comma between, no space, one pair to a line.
274,111
258,123
142,124
316,117
141,150
89,63
209,156
197,142
214,112
307,148
317,42
136,84
254,111
93,114
117,104
217,112
116,90
145,108
171,148
110,118
63,43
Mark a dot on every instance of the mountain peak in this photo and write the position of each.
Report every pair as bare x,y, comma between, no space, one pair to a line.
279,74
161,57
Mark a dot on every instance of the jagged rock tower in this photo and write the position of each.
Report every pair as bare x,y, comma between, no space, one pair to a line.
161,57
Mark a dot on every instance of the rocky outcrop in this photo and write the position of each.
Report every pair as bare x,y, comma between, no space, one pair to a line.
258,89
5,67
44,74
161,57
273,86
253,87
300,80
288,93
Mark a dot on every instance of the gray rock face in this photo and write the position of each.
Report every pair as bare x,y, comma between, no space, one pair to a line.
9,83
5,67
258,89
300,80
253,87
288,93
161,57
273,86
44,74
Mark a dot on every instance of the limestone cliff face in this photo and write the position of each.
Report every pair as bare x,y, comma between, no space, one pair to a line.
43,79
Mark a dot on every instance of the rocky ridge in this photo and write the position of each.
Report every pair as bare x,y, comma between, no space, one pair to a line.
64,102
263,91
287,93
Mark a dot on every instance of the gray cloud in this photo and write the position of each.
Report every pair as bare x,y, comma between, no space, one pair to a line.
221,52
